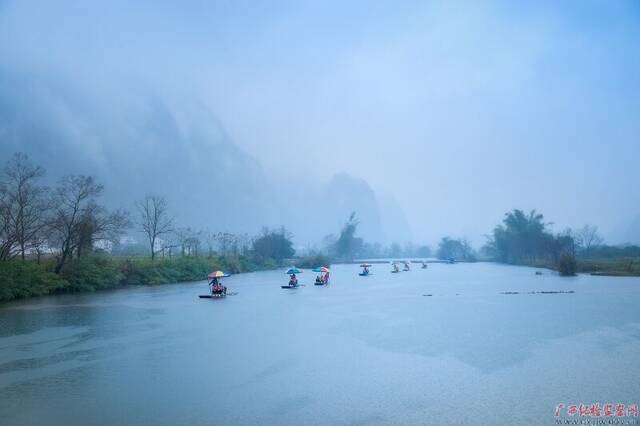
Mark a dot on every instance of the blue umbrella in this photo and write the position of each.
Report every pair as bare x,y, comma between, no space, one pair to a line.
318,269
293,270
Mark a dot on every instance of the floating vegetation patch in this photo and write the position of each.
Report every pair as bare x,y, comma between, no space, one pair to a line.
540,292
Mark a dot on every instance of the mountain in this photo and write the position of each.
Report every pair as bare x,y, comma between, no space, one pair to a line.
135,141
394,221
348,194
632,233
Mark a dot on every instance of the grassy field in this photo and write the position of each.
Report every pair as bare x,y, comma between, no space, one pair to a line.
616,267
613,267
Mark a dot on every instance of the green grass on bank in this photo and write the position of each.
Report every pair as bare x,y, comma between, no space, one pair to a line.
26,279
619,267
22,279
614,267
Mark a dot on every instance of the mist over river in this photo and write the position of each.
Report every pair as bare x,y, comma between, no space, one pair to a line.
363,350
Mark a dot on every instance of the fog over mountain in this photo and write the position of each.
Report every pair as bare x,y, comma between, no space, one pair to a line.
627,233
148,144
427,118
143,144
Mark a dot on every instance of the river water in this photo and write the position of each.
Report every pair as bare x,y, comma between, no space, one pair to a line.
363,350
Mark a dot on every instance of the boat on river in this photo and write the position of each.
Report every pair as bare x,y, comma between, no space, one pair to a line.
365,270
293,280
216,289
323,278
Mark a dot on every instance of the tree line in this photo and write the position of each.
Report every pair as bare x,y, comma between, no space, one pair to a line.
521,238
68,221
66,218
348,246
525,238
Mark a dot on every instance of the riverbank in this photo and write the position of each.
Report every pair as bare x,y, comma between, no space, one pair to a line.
623,267
617,267
23,279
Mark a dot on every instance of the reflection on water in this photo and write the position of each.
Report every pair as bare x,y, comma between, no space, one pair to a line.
364,350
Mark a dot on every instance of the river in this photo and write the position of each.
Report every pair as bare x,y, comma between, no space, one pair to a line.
363,350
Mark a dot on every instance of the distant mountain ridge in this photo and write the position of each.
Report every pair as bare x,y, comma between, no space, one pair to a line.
632,233
136,146
137,142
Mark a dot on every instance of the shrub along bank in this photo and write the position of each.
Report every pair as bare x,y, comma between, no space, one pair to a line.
21,279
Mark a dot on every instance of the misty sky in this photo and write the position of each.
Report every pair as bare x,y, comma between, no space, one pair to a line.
460,111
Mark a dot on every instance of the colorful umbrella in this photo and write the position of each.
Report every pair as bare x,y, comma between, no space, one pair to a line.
217,274
293,270
321,269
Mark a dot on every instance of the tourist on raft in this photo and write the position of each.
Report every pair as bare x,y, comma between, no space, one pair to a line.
217,288
293,281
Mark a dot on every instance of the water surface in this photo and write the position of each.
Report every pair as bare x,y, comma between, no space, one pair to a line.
364,350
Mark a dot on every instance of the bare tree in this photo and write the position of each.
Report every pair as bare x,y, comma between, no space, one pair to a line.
40,245
188,240
588,237
227,242
210,240
97,225
154,220
193,243
221,237
22,207
73,201
245,242
169,244
234,243
7,237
